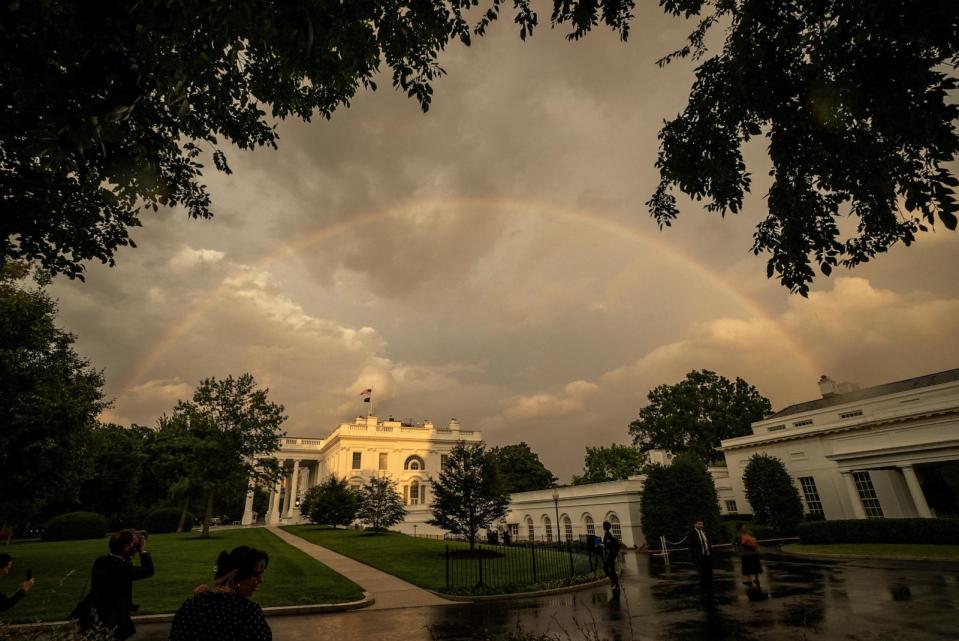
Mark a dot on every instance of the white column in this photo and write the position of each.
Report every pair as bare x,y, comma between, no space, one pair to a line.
915,490
294,487
248,508
274,517
857,510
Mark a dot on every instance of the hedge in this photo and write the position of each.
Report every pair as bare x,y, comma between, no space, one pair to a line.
926,531
165,520
73,526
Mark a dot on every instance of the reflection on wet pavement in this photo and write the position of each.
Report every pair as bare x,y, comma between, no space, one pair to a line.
807,599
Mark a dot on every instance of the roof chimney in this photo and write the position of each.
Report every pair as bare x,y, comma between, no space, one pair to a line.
454,425
827,386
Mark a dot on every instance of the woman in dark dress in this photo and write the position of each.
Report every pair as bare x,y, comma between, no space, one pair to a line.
749,552
224,610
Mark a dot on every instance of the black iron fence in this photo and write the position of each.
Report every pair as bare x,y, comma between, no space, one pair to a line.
522,564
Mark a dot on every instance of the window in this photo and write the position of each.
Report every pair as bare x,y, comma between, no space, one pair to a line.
590,527
568,528
355,487
357,460
808,421
444,461
383,458
414,493
867,494
414,463
776,428
851,414
731,507
614,527
798,455
811,494
548,526
530,531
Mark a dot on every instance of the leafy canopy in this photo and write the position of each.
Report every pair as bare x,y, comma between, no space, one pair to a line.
49,400
381,506
772,495
695,414
468,495
610,463
520,469
107,109
332,502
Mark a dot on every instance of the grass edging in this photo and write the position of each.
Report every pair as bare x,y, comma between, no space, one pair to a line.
273,611
511,595
786,549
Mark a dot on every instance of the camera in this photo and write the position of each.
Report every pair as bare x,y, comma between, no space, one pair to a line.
142,536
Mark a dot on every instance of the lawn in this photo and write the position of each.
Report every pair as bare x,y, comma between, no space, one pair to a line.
886,550
422,561
62,570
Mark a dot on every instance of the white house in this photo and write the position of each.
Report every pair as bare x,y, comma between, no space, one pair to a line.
407,452
886,451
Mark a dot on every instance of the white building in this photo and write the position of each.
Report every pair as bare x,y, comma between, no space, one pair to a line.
579,510
885,451
405,451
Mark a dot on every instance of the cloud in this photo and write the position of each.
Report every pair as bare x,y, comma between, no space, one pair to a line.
189,258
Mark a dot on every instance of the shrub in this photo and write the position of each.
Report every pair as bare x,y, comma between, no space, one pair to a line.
165,520
772,495
673,496
925,531
73,526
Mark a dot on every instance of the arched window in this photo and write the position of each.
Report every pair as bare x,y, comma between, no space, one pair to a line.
614,527
590,527
530,531
568,528
548,526
414,463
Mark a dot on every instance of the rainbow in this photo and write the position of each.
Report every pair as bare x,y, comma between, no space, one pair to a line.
142,367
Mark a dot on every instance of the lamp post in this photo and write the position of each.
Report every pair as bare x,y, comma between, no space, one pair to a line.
559,537
414,530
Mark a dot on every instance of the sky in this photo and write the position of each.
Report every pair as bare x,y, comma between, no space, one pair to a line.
492,260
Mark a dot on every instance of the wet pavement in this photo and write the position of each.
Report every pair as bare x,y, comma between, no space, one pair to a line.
807,599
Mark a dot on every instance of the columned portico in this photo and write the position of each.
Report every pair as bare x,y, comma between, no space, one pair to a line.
857,510
915,491
248,508
294,488
274,517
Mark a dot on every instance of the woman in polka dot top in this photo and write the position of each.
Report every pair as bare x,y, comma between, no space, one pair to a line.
224,611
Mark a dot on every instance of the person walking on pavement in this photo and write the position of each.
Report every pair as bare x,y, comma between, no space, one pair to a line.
749,549
701,554
110,601
611,547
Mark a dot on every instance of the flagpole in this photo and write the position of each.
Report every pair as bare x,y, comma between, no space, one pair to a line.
371,403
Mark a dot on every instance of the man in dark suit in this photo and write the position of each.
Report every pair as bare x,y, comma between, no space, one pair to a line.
701,553
110,601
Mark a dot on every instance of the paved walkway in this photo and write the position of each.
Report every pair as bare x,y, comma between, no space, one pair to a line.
388,590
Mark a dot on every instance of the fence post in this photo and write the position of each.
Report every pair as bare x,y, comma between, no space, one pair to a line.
532,551
569,548
447,567
479,558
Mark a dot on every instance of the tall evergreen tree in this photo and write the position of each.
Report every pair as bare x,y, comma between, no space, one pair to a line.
468,495
676,495
772,495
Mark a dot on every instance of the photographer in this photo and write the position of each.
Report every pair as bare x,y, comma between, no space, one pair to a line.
6,564
110,601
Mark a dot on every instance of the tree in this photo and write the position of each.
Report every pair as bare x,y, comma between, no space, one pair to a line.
695,414
469,494
772,495
610,464
231,430
520,469
332,502
381,506
49,402
114,457
108,108
676,495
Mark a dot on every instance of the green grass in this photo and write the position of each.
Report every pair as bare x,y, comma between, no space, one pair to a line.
887,550
62,571
422,561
